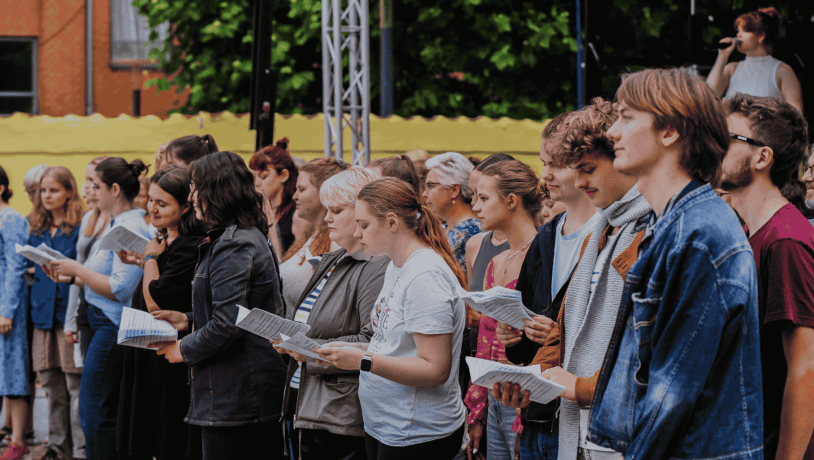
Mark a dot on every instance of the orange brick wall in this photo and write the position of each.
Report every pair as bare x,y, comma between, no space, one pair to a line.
59,26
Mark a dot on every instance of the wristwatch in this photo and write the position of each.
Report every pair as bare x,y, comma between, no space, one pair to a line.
367,362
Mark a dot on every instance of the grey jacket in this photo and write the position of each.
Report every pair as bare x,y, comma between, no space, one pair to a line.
328,397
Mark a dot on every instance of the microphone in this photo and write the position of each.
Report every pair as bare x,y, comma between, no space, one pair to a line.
720,46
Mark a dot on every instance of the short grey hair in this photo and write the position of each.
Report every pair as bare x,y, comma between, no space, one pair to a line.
342,188
33,176
452,169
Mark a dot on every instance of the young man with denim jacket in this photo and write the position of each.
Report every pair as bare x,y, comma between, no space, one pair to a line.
767,146
682,375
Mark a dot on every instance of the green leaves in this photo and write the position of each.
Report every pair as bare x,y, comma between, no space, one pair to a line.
494,58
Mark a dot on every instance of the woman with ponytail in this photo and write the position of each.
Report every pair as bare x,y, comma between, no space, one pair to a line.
408,386
184,150
509,198
109,286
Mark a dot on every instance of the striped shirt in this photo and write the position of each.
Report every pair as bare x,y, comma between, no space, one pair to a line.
304,312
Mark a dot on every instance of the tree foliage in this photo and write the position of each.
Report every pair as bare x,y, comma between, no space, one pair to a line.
462,57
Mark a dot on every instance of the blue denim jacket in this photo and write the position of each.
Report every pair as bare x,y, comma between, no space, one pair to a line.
682,376
49,300
237,378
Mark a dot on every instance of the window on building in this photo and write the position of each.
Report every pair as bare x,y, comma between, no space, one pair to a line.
130,34
18,80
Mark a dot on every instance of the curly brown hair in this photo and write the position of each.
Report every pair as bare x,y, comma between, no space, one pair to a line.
587,132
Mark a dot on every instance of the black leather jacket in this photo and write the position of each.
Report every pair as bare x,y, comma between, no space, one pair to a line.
237,378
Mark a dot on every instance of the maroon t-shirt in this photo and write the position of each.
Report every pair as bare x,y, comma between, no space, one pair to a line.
784,255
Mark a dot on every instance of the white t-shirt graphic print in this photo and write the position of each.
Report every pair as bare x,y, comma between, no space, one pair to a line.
420,297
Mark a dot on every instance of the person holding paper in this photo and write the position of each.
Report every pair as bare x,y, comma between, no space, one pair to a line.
109,286
336,303
155,394
55,223
595,291
509,199
237,378
14,364
543,280
408,387
94,223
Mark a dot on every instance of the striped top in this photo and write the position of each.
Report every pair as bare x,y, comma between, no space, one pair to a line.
304,312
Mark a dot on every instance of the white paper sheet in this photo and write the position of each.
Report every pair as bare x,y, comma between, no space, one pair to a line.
502,304
123,238
33,254
139,329
51,252
300,344
267,325
486,373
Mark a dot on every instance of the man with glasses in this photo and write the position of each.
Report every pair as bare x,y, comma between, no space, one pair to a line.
767,145
808,179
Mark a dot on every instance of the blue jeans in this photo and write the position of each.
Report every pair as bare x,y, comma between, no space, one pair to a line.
500,438
537,442
99,391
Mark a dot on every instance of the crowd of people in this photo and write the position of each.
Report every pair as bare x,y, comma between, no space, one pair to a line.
665,253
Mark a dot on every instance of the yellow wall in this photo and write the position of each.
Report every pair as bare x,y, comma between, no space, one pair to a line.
73,141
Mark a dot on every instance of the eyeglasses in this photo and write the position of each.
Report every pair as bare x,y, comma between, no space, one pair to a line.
430,185
748,140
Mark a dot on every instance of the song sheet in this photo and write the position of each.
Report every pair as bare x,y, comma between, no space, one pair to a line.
122,238
502,304
140,329
51,252
33,254
300,344
486,373
267,325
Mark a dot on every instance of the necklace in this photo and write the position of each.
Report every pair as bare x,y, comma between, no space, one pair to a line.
511,256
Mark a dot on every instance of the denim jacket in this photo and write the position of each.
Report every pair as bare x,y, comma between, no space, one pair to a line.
236,377
49,300
682,376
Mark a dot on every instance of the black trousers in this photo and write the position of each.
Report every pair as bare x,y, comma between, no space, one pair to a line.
440,449
255,442
324,445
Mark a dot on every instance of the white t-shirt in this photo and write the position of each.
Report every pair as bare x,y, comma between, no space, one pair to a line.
566,252
420,297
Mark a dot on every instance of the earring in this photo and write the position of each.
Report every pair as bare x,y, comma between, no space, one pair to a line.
453,201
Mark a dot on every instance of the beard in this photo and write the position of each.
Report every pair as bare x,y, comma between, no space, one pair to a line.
738,179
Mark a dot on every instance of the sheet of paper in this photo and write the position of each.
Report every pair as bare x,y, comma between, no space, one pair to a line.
267,325
502,304
486,373
122,238
51,252
139,329
33,254
300,344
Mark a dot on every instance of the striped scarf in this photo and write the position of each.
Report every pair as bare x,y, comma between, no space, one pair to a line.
589,326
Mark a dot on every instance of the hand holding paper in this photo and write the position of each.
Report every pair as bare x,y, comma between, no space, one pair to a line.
486,373
267,325
124,238
502,304
139,329
299,344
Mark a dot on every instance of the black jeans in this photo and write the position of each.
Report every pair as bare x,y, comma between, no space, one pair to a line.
324,445
258,441
440,449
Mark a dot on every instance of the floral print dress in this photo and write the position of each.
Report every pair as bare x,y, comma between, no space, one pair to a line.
459,235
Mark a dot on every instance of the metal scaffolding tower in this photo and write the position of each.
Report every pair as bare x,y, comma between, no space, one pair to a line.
346,28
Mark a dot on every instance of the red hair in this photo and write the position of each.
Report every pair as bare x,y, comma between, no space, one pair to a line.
278,157
394,195
765,21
